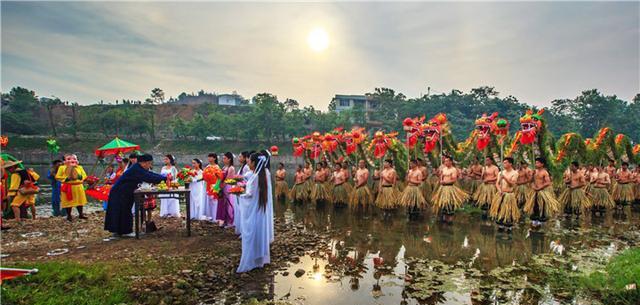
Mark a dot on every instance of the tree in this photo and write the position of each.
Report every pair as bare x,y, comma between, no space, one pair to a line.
49,104
291,104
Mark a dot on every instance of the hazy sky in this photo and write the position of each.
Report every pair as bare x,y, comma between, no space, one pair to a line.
86,52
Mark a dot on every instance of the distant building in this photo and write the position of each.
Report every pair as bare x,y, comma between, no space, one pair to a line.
233,99
344,102
230,100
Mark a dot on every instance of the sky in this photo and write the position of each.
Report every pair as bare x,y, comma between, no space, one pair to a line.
86,52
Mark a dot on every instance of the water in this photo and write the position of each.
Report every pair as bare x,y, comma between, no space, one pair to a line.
378,260
373,259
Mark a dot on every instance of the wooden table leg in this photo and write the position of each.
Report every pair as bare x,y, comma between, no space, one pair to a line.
136,217
188,215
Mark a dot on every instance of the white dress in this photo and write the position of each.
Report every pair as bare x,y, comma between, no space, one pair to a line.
197,197
255,233
169,207
237,218
270,207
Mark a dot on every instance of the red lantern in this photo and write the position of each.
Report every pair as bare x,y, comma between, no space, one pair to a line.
274,150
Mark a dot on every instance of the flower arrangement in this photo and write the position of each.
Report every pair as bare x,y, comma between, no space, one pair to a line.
212,175
233,180
186,174
92,180
236,190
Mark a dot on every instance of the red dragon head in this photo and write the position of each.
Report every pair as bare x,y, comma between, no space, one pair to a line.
432,131
381,142
413,128
530,125
352,139
484,127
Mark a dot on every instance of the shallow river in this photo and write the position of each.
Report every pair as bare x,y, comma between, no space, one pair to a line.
394,260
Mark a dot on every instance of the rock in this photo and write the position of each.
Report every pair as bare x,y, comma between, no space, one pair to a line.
285,273
177,292
299,272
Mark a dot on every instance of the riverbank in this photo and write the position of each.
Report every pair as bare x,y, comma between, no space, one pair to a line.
165,267
327,255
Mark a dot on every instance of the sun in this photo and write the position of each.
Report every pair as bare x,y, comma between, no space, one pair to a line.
318,39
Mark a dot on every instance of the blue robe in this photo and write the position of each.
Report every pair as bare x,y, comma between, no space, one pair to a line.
118,218
55,195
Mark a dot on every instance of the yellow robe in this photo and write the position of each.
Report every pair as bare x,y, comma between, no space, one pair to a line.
19,199
77,189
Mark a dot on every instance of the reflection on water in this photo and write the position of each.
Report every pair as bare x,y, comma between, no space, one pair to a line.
372,260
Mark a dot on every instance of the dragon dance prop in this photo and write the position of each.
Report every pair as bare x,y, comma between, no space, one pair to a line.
431,139
11,273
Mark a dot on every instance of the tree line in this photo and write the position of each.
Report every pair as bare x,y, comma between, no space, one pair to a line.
269,119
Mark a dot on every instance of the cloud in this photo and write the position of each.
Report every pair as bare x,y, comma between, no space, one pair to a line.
87,52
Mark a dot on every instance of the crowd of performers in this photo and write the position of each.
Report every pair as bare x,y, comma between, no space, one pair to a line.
504,193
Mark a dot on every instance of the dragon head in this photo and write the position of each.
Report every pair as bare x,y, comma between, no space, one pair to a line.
484,126
530,125
413,128
432,131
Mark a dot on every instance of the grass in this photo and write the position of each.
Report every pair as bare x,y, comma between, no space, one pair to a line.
67,283
610,285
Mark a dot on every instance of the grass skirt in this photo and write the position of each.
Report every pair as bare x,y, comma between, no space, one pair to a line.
574,200
319,192
297,192
504,208
434,182
387,198
339,195
360,197
523,192
484,195
637,191
412,197
282,189
542,204
400,186
601,198
448,198
349,187
306,189
623,193
472,185
426,190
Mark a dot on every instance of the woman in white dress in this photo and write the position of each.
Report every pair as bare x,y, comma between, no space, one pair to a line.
169,207
198,196
255,225
267,154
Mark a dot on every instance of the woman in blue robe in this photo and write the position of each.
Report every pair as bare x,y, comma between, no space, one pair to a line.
119,219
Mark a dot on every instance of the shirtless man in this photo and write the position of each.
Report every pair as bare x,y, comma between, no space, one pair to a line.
281,184
599,191
448,197
340,196
523,189
623,192
297,191
542,204
319,191
574,198
362,174
412,198
483,196
504,208
387,194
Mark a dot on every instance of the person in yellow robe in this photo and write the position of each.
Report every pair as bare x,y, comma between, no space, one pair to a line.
71,175
22,189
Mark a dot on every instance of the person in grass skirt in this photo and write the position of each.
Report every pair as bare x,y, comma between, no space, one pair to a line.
339,194
282,187
412,197
599,191
448,197
388,195
504,207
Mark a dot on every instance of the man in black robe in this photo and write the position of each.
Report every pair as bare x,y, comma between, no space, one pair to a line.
119,220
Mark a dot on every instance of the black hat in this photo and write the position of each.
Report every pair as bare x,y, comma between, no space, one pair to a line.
145,158
134,155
